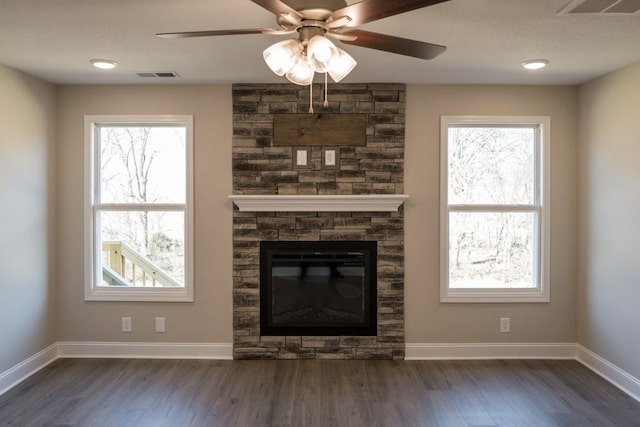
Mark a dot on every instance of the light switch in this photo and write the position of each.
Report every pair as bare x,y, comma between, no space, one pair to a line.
301,158
330,157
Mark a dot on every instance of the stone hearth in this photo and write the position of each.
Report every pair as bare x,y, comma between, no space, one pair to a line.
262,169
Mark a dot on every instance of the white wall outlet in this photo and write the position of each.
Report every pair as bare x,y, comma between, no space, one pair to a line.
160,324
505,325
127,325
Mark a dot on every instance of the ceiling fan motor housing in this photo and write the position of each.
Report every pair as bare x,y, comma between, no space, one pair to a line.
307,31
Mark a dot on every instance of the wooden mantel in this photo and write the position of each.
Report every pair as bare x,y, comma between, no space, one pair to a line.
319,203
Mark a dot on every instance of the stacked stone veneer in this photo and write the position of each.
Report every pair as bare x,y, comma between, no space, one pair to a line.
260,168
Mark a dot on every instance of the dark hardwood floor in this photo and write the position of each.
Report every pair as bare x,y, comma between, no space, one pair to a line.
117,392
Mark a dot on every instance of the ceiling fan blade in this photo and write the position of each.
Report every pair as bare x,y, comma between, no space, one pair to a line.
372,10
278,8
185,34
393,44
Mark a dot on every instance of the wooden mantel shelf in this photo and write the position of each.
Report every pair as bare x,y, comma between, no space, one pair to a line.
319,203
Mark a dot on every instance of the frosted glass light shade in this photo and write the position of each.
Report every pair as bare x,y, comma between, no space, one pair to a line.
341,65
321,52
282,56
301,73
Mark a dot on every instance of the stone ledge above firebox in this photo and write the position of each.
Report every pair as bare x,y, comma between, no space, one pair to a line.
319,203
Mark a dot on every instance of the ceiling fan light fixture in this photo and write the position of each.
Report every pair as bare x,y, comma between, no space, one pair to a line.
318,21
301,73
104,64
321,52
282,56
341,65
534,64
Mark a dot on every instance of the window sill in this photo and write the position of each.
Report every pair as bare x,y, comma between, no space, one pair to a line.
494,296
139,295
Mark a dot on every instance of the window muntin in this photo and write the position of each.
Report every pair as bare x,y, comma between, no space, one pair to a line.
494,210
139,214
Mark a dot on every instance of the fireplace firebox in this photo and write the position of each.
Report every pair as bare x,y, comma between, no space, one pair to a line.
318,288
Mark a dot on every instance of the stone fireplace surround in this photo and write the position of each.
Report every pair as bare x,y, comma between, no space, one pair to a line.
259,168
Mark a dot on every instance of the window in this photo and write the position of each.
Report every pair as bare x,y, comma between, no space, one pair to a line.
138,208
494,204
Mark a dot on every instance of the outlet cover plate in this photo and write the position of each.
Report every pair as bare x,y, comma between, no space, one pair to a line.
160,324
127,325
505,325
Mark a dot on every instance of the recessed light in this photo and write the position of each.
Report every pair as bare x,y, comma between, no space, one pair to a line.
534,64
104,64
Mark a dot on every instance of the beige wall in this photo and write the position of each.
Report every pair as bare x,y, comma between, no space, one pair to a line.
609,239
429,321
607,270
208,319
27,293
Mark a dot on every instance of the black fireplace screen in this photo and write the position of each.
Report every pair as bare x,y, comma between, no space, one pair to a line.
318,288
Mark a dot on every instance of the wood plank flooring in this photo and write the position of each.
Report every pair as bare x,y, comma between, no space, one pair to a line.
120,392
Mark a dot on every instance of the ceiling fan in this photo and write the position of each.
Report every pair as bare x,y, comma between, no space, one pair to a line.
315,21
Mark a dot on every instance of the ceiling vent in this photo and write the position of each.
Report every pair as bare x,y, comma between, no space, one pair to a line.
160,74
603,7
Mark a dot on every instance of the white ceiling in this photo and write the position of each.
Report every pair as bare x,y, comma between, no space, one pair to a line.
486,40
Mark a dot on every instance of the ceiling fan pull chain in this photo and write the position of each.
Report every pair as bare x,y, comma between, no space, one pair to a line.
326,91
311,98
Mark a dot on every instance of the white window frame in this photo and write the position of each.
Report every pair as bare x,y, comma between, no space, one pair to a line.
540,206
93,292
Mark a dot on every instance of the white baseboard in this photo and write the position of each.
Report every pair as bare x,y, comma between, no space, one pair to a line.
20,372
610,372
136,350
446,351
145,350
